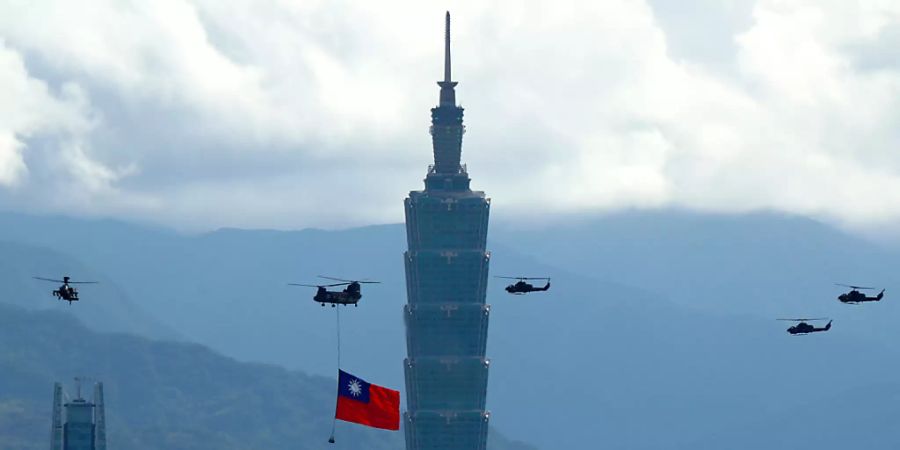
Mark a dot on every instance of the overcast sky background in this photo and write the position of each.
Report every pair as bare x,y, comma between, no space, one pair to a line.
288,114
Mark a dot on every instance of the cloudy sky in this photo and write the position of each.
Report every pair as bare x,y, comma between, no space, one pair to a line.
200,114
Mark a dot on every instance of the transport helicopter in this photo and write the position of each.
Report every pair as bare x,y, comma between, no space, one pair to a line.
66,292
350,295
804,328
523,287
854,297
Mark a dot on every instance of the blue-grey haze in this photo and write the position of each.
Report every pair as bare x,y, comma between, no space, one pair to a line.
658,331
163,395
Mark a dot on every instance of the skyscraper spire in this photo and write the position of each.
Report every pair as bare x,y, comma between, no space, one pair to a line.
448,94
447,124
447,49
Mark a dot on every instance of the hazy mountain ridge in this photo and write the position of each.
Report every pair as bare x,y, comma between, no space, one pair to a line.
765,263
110,308
167,395
590,361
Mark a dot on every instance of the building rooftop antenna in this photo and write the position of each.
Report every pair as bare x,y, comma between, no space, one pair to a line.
448,94
447,49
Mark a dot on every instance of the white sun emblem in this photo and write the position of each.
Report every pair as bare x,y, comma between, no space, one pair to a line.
355,388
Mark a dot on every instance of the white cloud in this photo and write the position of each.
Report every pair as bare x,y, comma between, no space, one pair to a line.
29,109
12,167
209,113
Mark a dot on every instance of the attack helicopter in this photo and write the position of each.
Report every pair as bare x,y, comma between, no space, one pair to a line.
66,292
805,328
854,297
523,287
350,295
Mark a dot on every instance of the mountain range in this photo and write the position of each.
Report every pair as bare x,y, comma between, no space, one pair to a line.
165,395
658,331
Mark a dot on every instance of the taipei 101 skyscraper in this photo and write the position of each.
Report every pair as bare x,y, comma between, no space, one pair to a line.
446,279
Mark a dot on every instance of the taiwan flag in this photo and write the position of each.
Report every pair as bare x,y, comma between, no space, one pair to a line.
367,404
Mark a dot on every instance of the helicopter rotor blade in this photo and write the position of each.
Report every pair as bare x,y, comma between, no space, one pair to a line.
335,279
523,278
804,320
84,282
48,279
854,287
318,285
349,281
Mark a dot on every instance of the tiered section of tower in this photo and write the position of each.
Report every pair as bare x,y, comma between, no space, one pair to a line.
446,278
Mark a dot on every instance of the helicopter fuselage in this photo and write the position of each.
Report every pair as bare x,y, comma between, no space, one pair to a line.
67,293
855,297
522,287
349,296
805,328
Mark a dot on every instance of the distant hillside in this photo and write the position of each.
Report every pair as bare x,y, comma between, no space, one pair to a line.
658,331
167,395
765,264
106,306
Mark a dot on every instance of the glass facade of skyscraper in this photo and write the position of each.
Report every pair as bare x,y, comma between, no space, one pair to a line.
78,424
78,432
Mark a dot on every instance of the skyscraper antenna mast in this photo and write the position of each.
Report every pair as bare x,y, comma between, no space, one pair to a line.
448,95
447,49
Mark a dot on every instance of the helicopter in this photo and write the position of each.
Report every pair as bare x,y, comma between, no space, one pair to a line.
854,297
349,296
66,292
805,328
522,287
